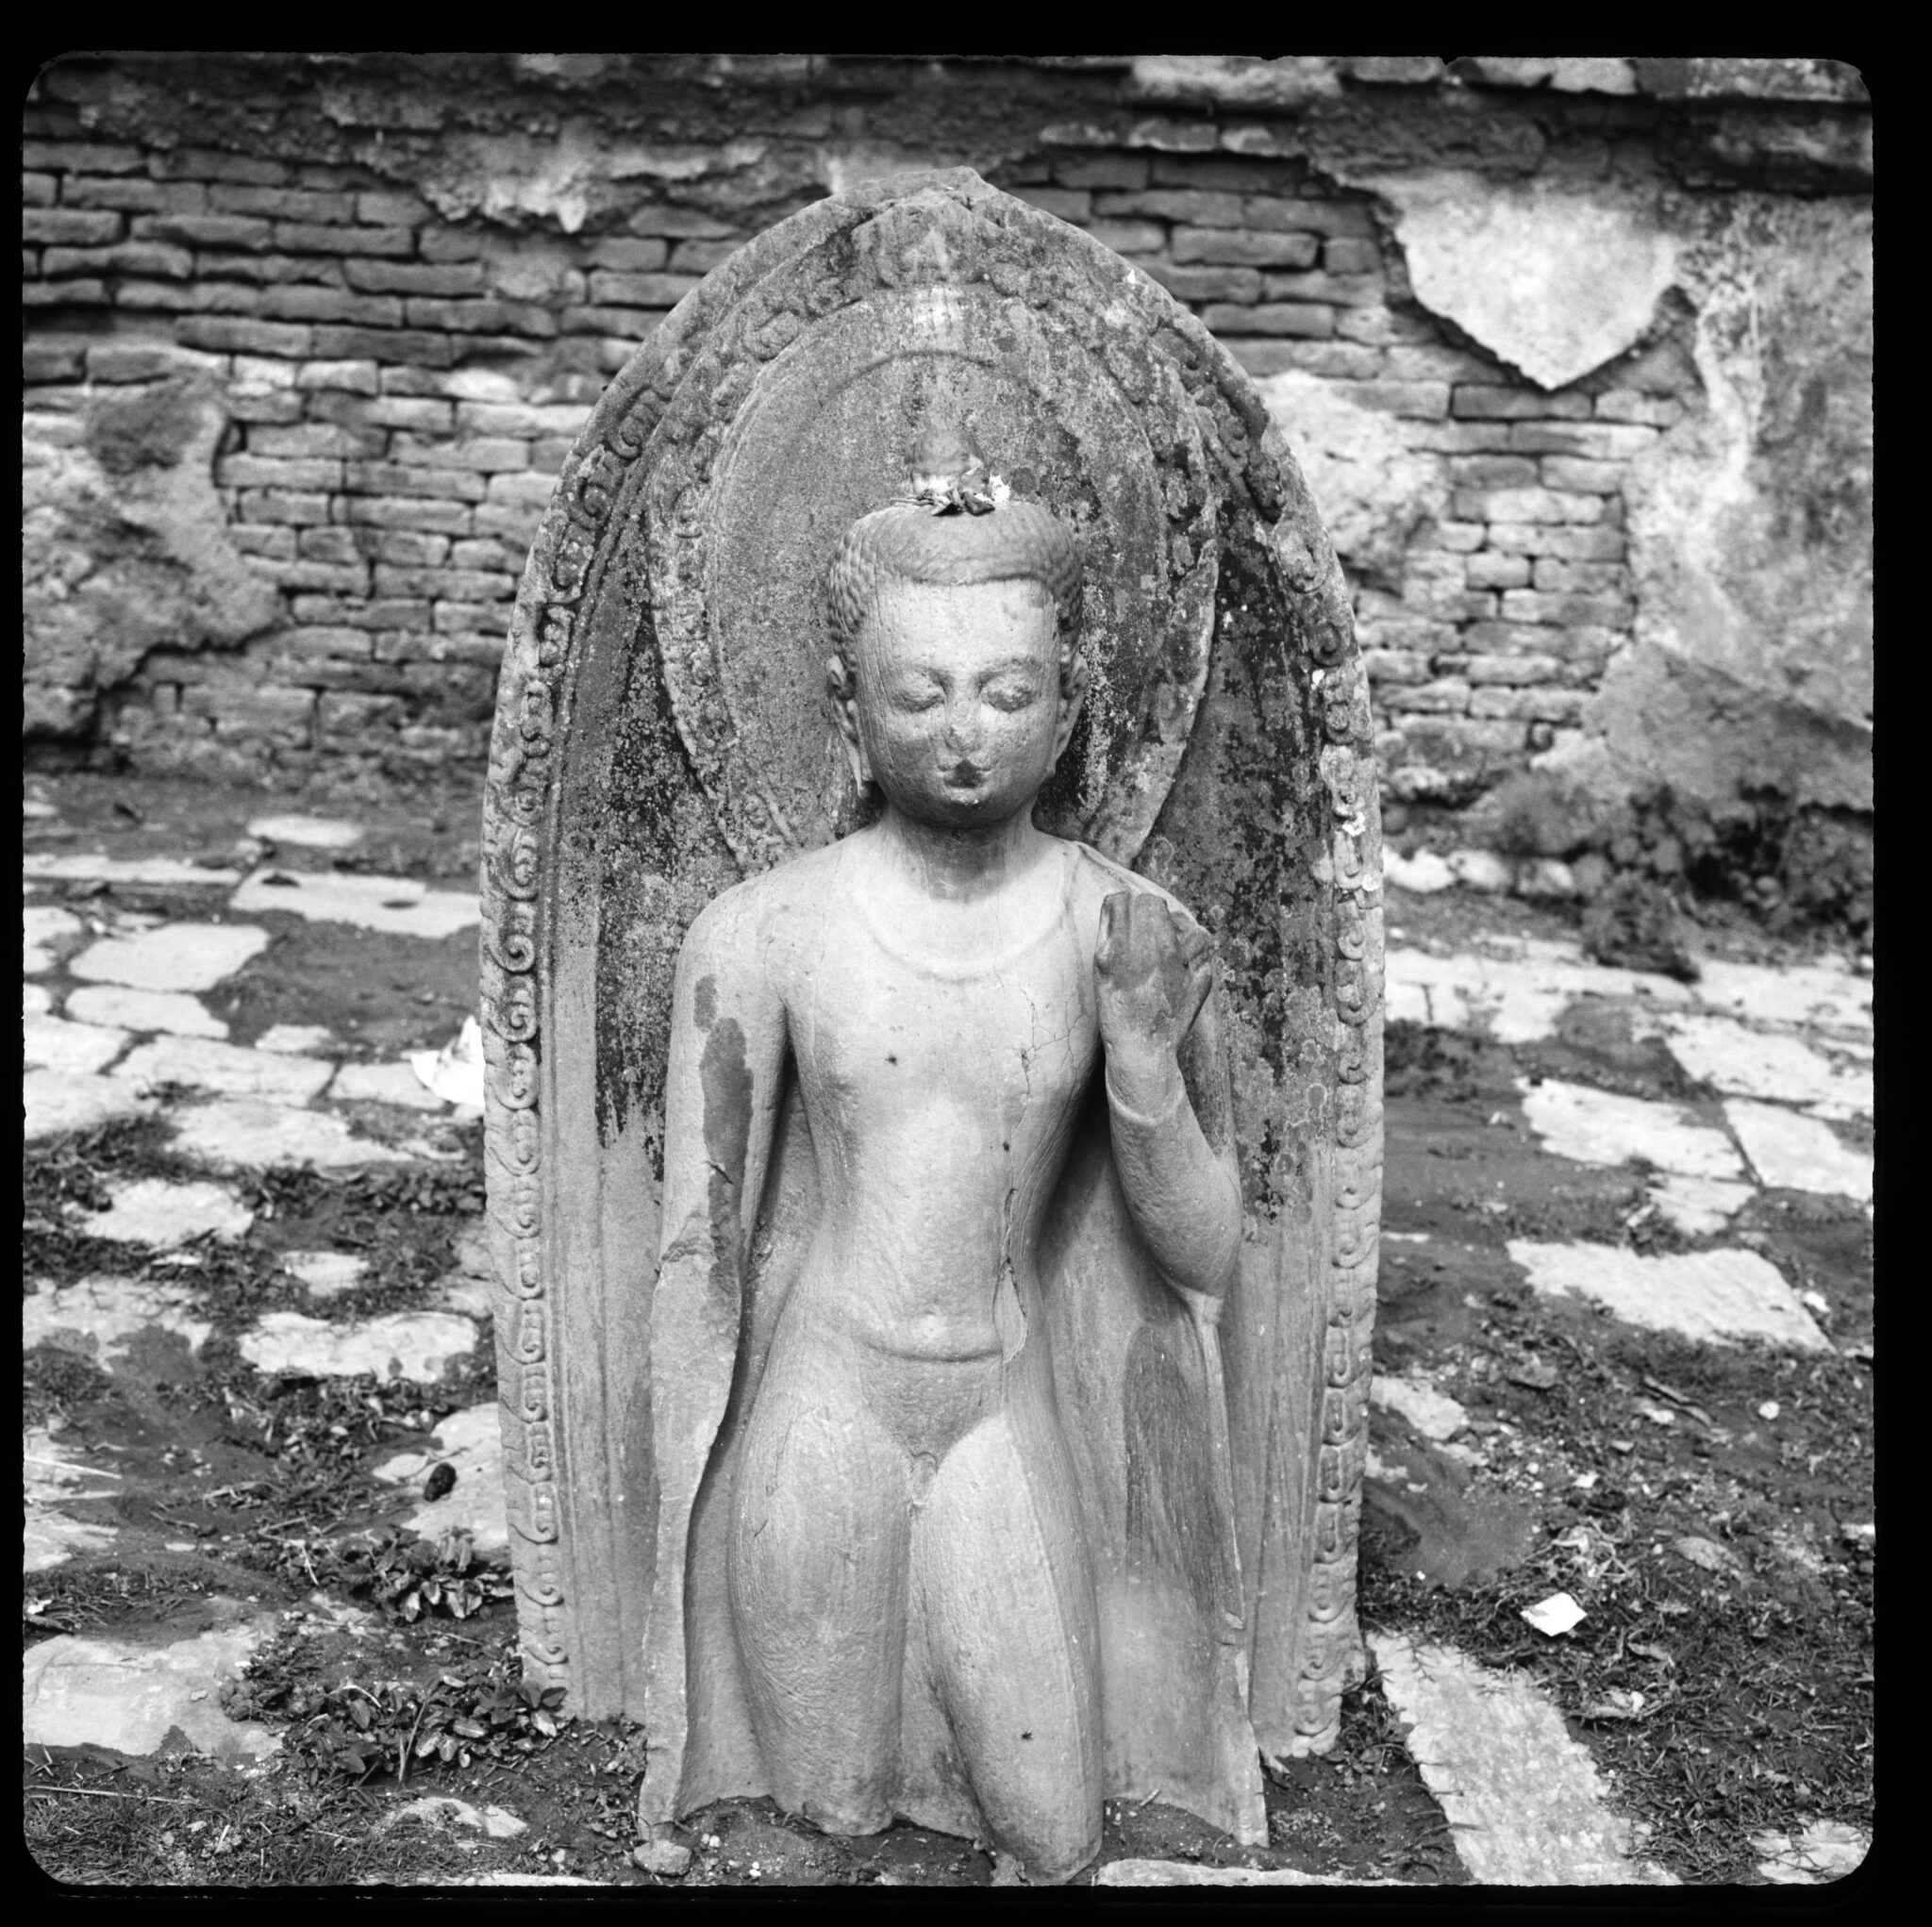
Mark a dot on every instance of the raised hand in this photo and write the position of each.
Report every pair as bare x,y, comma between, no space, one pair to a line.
1152,973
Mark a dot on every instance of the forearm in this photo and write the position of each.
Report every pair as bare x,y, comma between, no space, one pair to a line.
1184,1198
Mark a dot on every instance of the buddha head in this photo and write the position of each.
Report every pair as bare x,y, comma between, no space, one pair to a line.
955,675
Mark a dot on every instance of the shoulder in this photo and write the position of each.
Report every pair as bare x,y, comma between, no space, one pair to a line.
740,925
1096,877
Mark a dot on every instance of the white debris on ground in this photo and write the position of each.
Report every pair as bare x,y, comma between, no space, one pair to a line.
1522,1798
454,1073
1719,1296
497,1822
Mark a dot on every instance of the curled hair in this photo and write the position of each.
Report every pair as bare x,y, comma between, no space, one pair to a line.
907,542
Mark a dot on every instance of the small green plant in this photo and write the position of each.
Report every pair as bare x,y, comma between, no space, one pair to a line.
408,1578
365,1733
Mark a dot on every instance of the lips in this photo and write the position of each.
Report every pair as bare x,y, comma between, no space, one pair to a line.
965,775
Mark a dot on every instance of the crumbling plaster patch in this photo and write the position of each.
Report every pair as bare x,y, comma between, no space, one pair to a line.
1372,489
125,549
1750,526
517,178
1555,276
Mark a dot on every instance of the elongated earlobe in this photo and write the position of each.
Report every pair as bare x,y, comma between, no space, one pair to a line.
842,688
1072,695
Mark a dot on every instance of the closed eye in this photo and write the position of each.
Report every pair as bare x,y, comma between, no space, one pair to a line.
916,696
1012,695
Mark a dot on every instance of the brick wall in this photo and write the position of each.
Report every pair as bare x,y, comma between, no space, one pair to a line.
404,362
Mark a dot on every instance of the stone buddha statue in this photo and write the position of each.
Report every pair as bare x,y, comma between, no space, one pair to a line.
935,1285
890,1605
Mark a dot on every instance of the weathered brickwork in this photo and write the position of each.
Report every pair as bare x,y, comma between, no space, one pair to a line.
404,356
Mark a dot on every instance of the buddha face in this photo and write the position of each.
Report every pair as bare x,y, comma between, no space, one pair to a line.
959,713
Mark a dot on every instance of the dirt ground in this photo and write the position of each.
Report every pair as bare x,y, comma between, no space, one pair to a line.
1721,1692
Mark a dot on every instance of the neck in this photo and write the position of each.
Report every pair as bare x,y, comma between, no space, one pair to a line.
963,863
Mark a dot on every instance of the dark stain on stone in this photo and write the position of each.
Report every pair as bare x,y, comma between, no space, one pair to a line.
152,430
726,1082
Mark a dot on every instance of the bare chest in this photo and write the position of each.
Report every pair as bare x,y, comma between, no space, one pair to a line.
884,1033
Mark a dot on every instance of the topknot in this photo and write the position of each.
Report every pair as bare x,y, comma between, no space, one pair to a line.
954,524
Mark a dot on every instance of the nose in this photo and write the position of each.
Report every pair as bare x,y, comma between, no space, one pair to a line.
964,729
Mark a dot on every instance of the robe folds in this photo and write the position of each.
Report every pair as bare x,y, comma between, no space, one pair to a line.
1136,1408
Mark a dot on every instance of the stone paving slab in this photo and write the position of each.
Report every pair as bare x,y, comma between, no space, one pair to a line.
172,1012
1700,1206
396,1084
1794,1152
230,1069
1523,1798
1719,1296
404,1344
150,873
1794,994
297,1039
51,1043
252,1133
98,1315
399,905
42,927
118,1693
1592,1126
175,956
307,832
55,1101
159,1212
1722,1052
53,1477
